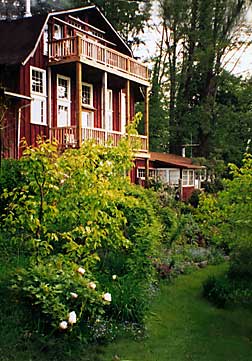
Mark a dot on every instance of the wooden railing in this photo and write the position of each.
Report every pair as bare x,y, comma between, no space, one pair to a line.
67,137
88,49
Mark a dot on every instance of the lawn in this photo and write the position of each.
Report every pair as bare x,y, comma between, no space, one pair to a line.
183,326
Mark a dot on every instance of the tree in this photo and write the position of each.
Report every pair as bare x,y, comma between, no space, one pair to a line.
197,34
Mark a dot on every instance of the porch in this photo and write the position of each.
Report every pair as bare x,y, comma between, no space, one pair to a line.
68,137
86,50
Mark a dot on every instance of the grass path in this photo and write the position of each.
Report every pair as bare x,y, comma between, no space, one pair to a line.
185,327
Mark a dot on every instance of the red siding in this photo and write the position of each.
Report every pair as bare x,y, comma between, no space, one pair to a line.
27,130
187,192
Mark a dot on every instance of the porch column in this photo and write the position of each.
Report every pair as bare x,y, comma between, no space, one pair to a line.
127,102
146,116
49,102
79,102
146,132
104,98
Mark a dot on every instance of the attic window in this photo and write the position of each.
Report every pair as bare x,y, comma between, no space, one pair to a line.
58,32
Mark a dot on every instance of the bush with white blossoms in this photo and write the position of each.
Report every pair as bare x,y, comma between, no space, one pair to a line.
49,286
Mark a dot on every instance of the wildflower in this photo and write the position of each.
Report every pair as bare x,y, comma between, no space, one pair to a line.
114,277
107,297
63,325
72,317
73,294
81,270
92,285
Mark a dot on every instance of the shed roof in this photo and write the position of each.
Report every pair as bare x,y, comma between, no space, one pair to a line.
174,160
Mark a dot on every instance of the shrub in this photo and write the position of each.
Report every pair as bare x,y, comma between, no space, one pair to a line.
79,209
217,290
240,263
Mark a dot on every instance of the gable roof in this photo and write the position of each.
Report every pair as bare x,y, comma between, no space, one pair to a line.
19,38
174,160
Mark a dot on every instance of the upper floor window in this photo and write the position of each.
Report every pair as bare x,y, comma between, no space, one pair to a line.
38,81
58,32
87,95
38,93
45,40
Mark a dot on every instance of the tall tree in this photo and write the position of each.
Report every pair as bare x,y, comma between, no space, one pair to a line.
197,34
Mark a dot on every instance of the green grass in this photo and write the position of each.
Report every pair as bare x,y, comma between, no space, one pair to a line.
182,326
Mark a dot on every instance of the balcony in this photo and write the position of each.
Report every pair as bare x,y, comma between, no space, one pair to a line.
82,49
67,137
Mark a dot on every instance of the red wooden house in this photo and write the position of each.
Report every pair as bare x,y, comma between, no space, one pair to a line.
173,170
69,75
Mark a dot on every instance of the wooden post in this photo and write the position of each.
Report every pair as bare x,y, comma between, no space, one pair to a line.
127,102
146,132
79,102
146,116
104,99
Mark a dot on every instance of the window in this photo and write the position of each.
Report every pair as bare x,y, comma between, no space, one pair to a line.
109,120
87,120
141,173
152,173
63,101
38,94
58,32
188,178
87,95
45,40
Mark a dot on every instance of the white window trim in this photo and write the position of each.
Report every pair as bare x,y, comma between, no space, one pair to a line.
91,105
43,71
187,183
39,97
139,170
66,102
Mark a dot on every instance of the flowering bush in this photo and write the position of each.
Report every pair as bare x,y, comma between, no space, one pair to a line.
75,214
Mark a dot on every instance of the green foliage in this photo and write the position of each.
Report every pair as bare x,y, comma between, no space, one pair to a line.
217,290
79,209
226,218
240,262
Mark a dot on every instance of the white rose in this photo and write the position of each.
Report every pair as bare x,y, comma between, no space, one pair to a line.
73,294
92,285
114,277
72,317
63,325
107,297
81,270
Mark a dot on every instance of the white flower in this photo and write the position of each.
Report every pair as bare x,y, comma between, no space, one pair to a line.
81,270
107,297
92,285
72,318
73,294
63,325
114,277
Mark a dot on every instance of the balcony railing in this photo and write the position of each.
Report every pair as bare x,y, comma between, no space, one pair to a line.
85,48
67,137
